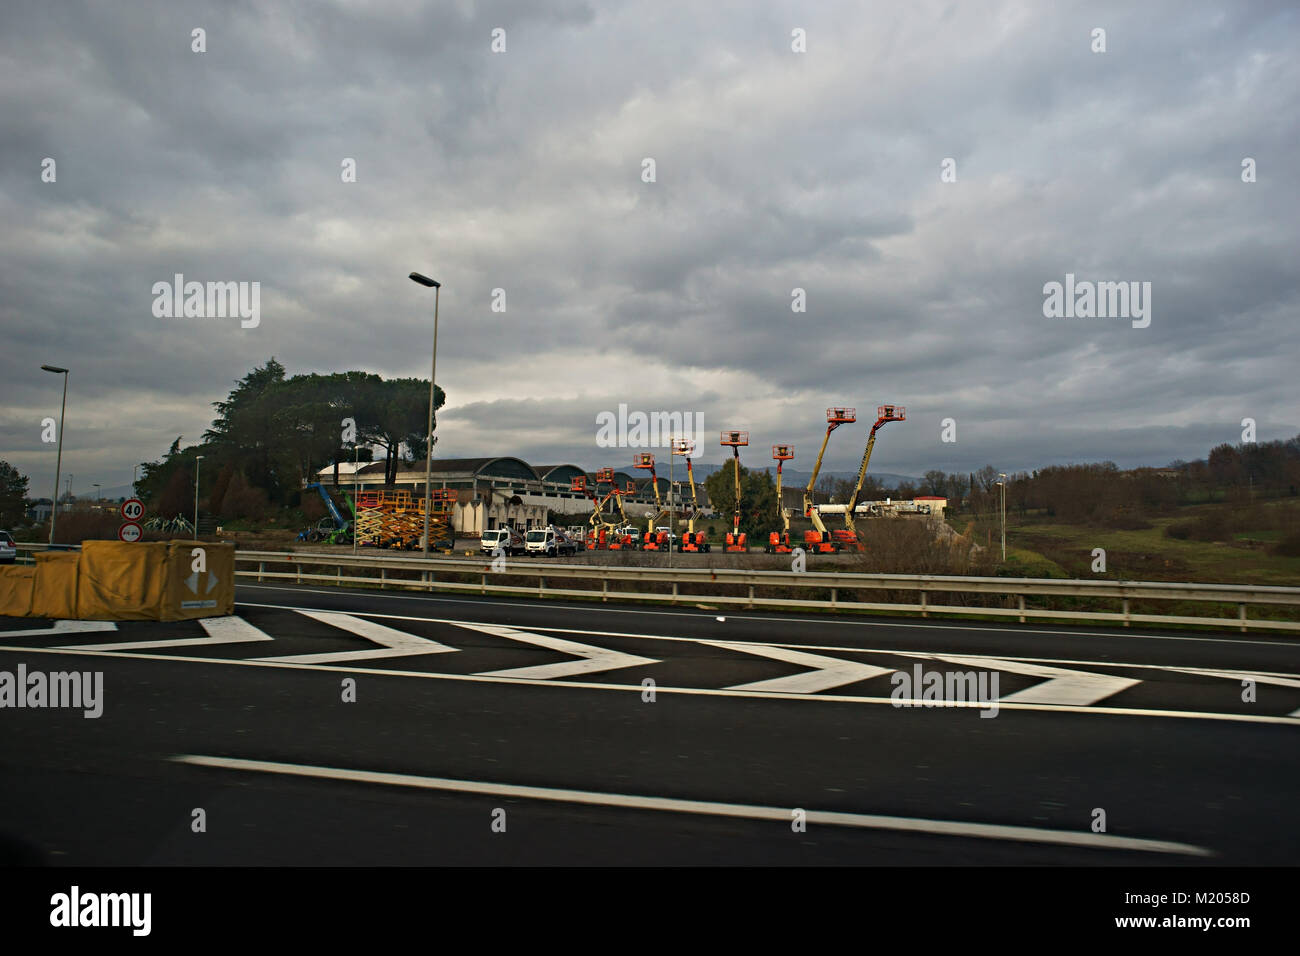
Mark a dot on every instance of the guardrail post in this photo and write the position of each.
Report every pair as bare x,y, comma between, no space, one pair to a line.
925,601
1022,609
483,584
751,596
541,586
674,592
261,569
1126,612
338,576
604,589
298,567
383,576
1241,616
834,596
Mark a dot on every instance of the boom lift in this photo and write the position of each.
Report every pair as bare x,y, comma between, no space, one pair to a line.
819,541
691,540
778,542
625,541
333,530
601,530
885,413
735,540
652,540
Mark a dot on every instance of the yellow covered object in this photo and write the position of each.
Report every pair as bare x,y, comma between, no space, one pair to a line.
54,593
121,581
192,592
16,590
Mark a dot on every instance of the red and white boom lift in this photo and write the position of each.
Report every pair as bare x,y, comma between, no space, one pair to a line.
736,441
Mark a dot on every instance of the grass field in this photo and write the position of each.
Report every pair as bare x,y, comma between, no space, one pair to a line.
1041,547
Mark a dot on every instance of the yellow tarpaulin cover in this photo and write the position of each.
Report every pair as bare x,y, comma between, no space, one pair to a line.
192,593
55,590
16,590
121,581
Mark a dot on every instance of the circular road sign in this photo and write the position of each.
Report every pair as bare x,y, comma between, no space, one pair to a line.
130,531
132,509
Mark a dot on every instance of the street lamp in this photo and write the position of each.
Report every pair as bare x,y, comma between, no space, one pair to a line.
1003,483
436,286
58,461
198,459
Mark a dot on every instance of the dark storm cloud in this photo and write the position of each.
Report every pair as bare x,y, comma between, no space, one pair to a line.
775,171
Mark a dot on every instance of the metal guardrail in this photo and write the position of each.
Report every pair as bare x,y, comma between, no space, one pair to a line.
669,581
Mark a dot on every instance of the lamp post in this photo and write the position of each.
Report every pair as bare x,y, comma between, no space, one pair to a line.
198,464
433,371
1003,483
58,460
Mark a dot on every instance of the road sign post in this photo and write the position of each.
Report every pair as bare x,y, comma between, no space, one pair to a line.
130,531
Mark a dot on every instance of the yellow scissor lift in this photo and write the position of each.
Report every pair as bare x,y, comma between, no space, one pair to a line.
395,519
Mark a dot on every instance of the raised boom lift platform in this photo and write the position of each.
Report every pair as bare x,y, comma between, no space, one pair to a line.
652,540
736,441
819,541
884,414
692,540
778,542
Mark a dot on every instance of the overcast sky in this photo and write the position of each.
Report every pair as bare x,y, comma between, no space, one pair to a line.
522,170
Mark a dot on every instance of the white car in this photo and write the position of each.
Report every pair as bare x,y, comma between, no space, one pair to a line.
549,542
507,539
8,550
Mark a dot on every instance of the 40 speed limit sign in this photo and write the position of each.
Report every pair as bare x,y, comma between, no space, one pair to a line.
132,509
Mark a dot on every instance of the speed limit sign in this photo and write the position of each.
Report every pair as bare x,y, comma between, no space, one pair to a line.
130,531
132,509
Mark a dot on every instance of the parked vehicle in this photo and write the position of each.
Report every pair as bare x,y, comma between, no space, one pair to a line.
507,539
549,541
8,550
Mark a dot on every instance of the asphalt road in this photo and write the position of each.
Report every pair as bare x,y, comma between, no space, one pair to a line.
507,731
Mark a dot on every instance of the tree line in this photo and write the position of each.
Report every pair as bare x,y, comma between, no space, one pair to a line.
274,432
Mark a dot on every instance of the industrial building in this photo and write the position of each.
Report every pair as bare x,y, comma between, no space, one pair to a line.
501,492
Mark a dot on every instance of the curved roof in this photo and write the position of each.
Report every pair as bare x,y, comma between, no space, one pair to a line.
503,467
562,474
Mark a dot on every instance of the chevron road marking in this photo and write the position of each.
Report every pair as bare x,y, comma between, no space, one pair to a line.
395,643
1063,686
827,672
220,630
591,659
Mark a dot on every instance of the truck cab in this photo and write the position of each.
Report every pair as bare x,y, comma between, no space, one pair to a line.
507,539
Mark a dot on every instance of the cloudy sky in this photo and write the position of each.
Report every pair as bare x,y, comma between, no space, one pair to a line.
774,170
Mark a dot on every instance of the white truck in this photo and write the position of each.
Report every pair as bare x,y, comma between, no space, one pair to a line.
507,539
550,542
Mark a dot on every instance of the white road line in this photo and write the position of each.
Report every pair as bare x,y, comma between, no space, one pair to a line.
827,672
1096,711
828,619
61,628
985,831
394,643
833,648
220,630
590,659
1076,688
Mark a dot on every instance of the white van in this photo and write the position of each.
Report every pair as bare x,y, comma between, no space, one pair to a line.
507,539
